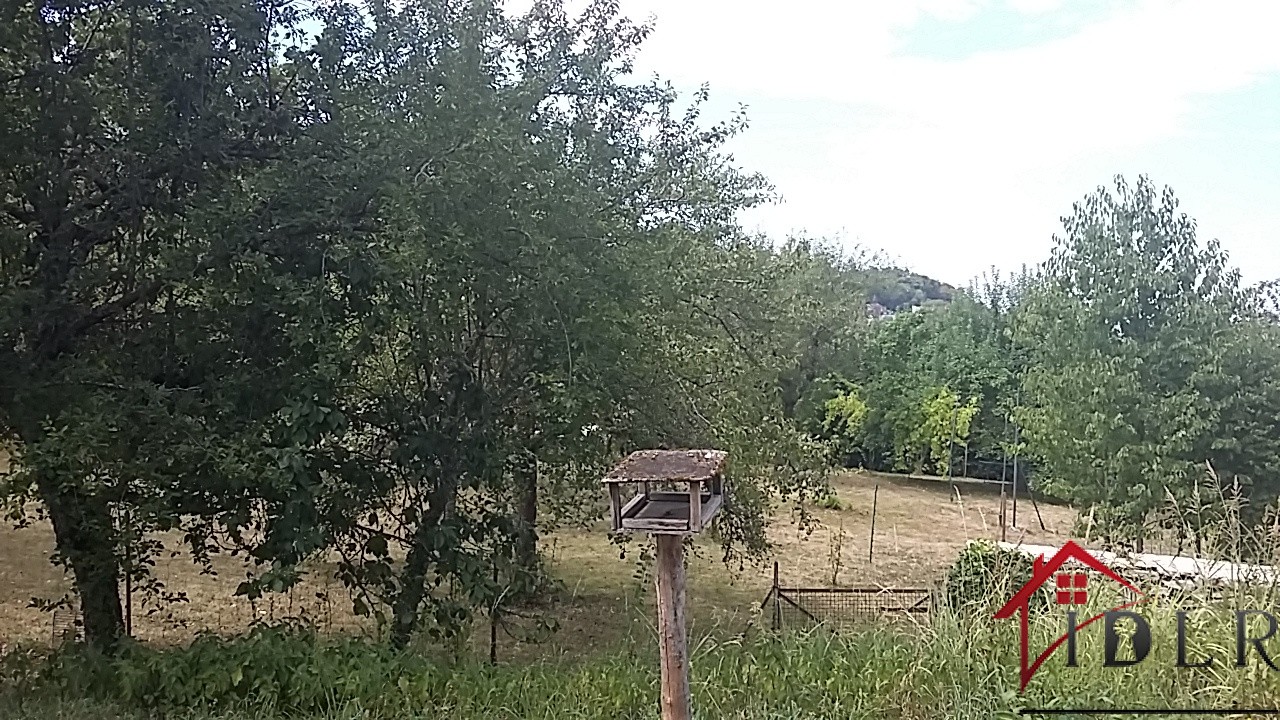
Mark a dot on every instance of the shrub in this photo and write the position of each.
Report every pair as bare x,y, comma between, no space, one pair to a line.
829,501
20,666
984,577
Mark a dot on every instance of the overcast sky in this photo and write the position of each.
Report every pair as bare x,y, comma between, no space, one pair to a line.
954,134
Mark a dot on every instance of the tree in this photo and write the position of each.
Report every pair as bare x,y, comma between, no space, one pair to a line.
843,419
945,421
825,297
903,362
150,197
560,278
360,289
1127,333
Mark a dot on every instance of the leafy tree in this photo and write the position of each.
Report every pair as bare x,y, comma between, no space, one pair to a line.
559,279
945,422
372,289
825,297
161,299
961,345
1127,334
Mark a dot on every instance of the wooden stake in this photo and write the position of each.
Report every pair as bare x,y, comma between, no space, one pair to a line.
1036,505
777,599
493,624
951,442
672,642
871,544
1003,510
695,506
128,601
1017,437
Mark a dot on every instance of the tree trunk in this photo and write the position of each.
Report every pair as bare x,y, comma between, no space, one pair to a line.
407,605
404,621
85,535
526,477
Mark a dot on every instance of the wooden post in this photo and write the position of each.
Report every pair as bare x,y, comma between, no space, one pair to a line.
871,544
672,642
128,603
1003,509
1016,437
615,504
493,622
1004,461
951,447
128,585
695,506
777,599
1036,505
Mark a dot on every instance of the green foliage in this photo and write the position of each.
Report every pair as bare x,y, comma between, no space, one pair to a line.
286,668
163,298
961,346
984,576
962,665
829,501
1113,373
296,279
944,422
366,281
845,413
1131,335
833,410
824,290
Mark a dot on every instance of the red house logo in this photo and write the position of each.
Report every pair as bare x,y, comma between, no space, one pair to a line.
1070,589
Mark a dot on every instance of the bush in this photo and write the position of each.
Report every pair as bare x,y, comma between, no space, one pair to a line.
20,666
984,577
829,501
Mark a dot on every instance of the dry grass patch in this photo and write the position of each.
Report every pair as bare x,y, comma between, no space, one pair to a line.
920,527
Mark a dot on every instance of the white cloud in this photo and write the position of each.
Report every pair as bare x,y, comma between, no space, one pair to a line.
1117,80
1035,7
966,162
957,164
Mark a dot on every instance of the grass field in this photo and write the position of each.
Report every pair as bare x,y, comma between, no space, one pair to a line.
920,526
601,663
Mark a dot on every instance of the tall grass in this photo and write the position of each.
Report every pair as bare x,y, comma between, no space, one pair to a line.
959,666
962,664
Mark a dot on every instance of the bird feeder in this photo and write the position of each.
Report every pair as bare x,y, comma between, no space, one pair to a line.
679,491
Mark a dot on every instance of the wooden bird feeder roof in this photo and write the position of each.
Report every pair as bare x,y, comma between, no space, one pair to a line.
668,466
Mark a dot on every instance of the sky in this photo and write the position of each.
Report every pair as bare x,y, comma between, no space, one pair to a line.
953,135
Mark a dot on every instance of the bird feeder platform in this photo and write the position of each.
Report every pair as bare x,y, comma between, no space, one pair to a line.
675,510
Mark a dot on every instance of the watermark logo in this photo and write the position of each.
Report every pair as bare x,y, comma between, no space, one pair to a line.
1070,589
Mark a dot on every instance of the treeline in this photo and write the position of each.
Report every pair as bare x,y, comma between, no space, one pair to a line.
1131,373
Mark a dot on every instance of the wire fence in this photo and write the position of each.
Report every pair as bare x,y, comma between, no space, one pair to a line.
840,608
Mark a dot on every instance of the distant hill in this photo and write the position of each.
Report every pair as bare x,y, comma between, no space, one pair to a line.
896,289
